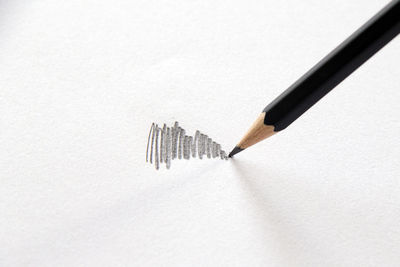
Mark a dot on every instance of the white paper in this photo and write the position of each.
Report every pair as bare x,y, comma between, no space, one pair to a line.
82,81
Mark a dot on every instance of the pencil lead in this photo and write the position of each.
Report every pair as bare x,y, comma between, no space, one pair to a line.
235,151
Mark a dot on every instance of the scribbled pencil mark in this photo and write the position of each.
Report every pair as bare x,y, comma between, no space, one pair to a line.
168,148
157,163
195,141
169,143
162,145
152,143
174,140
148,142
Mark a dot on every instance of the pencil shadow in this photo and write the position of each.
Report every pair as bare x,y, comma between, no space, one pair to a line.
264,191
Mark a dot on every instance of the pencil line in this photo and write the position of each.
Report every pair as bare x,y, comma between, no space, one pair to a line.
148,142
169,143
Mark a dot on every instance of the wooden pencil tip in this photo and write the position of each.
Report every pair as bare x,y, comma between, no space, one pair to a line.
235,151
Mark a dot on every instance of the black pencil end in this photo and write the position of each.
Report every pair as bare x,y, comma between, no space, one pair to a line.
235,151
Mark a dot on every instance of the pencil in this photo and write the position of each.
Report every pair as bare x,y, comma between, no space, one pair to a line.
324,76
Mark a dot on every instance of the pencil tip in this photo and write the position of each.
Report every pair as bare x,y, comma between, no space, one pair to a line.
235,151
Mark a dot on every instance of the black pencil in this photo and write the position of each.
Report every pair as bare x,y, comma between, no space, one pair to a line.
324,76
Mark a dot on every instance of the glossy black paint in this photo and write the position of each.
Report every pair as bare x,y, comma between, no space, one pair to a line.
335,67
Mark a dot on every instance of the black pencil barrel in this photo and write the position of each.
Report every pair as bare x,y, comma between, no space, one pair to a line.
335,67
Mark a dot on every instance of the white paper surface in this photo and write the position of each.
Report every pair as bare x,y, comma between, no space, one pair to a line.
81,82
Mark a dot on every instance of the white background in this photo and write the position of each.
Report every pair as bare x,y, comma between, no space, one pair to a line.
81,82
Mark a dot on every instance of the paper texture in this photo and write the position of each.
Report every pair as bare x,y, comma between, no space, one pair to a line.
82,81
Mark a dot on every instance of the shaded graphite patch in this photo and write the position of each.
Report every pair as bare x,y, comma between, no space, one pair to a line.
168,143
